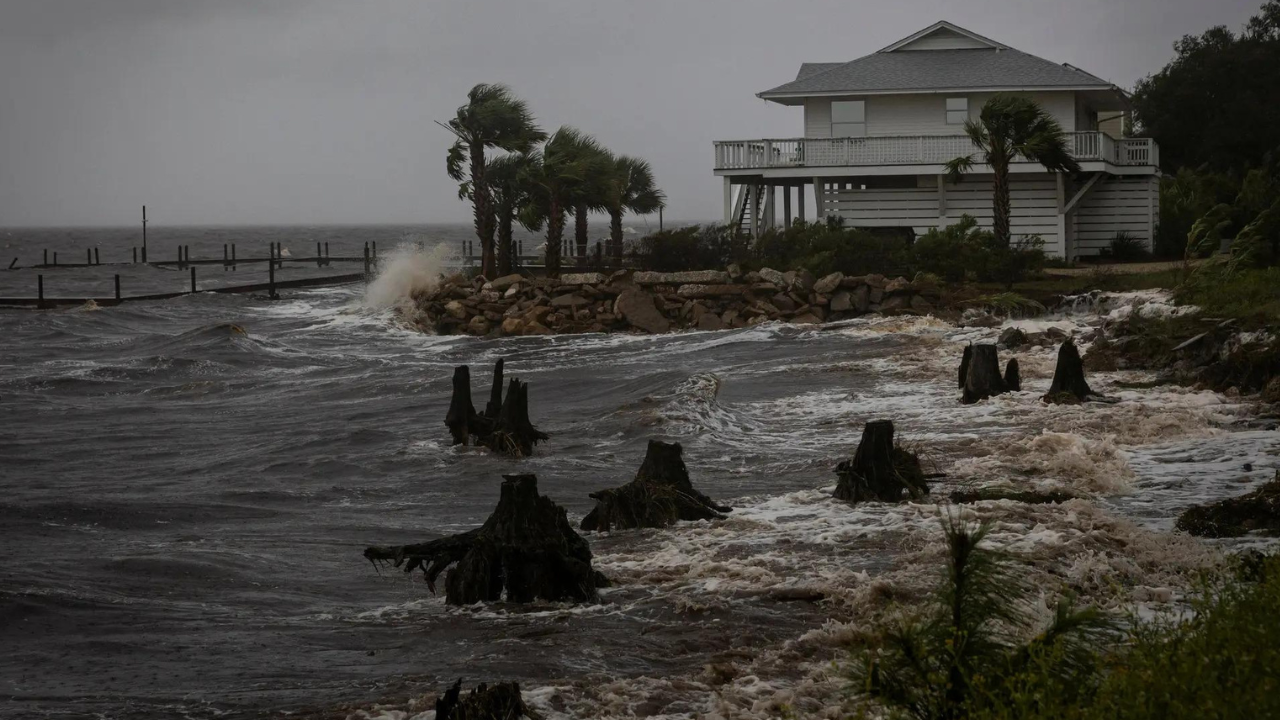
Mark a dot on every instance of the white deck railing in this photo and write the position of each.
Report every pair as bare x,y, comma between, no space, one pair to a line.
908,150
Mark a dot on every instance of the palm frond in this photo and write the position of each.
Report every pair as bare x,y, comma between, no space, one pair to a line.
957,167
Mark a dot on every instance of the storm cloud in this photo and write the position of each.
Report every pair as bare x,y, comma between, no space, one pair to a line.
321,111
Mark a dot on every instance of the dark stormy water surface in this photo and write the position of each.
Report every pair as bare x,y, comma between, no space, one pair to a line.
188,485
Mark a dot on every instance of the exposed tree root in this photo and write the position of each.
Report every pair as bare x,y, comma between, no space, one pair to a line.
880,470
503,427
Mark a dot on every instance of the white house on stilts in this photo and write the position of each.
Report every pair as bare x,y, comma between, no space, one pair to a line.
878,131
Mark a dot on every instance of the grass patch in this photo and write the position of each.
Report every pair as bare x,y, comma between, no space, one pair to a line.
1250,296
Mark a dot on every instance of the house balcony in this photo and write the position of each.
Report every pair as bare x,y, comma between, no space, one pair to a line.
909,150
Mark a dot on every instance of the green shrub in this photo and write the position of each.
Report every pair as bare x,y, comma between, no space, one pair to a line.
1218,661
1126,248
824,248
969,649
697,247
965,251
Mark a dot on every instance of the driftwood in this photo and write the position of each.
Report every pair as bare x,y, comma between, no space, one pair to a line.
504,425
1069,386
660,495
980,374
526,549
485,702
880,470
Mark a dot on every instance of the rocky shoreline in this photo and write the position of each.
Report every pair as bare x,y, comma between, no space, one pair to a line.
653,302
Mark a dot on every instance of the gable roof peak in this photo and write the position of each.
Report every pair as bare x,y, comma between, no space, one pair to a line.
940,27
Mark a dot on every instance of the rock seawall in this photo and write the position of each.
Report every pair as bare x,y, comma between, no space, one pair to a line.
652,302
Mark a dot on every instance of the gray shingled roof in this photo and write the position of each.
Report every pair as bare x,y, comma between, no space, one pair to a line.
807,69
936,69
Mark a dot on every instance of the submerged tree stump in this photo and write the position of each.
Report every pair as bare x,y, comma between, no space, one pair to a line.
1012,376
503,427
980,374
484,702
660,495
525,551
1069,386
880,470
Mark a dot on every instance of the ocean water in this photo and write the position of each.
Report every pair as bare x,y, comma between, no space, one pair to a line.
188,486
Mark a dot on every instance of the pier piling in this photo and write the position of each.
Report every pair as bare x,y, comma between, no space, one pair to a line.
97,259
40,289
88,256
46,258
135,254
271,280
193,278
366,261
117,287
318,263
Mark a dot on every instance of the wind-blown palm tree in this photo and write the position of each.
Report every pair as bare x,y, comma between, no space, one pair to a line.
556,177
492,118
1008,127
590,194
507,179
630,188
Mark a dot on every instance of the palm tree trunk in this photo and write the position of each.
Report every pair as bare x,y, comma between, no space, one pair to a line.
506,247
483,210
580,228
555,235
1000,200
615,234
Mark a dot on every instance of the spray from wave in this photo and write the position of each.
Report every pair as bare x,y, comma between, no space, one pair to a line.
406,272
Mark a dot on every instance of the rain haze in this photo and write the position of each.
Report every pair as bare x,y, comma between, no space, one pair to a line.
319,112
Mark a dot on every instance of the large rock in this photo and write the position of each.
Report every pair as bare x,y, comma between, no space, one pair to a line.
456,309
479,325
513,326
536,328
896,303
897,284
773,276
709,321
701,277
591,278
803,281
706,291
807,318
921,305
569,301
828,284
842,301
505,282
784,303
537,314
638,308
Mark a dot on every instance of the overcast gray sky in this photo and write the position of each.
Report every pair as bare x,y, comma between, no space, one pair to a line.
320,111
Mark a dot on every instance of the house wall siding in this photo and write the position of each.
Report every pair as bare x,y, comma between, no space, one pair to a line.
1128,204
1034,198
926,114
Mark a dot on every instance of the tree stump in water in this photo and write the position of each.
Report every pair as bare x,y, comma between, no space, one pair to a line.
1069,386
660,495
1012,376
980,374
484,702
526,549
503,427
879,469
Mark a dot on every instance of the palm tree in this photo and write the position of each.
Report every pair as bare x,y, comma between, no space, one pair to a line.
556,178
630,188
590,194
492,118
506,177
1012,126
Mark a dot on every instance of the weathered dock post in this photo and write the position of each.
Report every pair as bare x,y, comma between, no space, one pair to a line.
271,281
233,257
193,278
144,233
55,258
97,259
135,254
117,288
46,257
326,254
318,256
88,256
366,261
40,290
225,255
180,263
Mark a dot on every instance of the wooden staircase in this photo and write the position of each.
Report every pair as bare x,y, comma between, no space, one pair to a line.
750,202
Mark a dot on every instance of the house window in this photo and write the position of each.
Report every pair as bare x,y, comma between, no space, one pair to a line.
848,118
957,111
